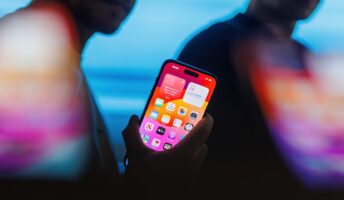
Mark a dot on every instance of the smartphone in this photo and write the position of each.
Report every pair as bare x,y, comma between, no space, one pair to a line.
178,101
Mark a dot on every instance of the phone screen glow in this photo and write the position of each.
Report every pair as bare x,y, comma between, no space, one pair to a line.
176,106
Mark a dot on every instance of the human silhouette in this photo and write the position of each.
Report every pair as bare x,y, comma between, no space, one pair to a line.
42,44
241,152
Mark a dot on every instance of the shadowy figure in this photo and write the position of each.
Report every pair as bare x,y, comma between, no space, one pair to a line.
65,26
241,152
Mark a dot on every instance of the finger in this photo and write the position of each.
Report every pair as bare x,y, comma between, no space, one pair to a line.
200,157
133,126
132,137
197,136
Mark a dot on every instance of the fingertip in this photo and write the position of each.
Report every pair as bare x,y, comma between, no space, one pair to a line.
134,119
197,136
209,118
132,124
207,122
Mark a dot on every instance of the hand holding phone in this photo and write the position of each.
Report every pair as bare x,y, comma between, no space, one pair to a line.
170,172
172,121
177,103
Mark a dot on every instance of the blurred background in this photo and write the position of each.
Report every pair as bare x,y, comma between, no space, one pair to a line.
121,68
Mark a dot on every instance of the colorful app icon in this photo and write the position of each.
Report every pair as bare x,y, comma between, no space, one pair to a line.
156,143
196,95
154,115
177,123
193,115
149,126
166,119
159,102
188,127
171,107
182,111
167,146
172,86
161,131
172,135
145,138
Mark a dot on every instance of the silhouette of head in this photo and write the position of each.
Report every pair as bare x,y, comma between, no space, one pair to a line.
289,9
104,16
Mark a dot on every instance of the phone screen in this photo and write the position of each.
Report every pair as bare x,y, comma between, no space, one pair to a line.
178,101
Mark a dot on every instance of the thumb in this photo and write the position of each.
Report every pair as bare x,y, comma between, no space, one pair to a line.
197,137
200,157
